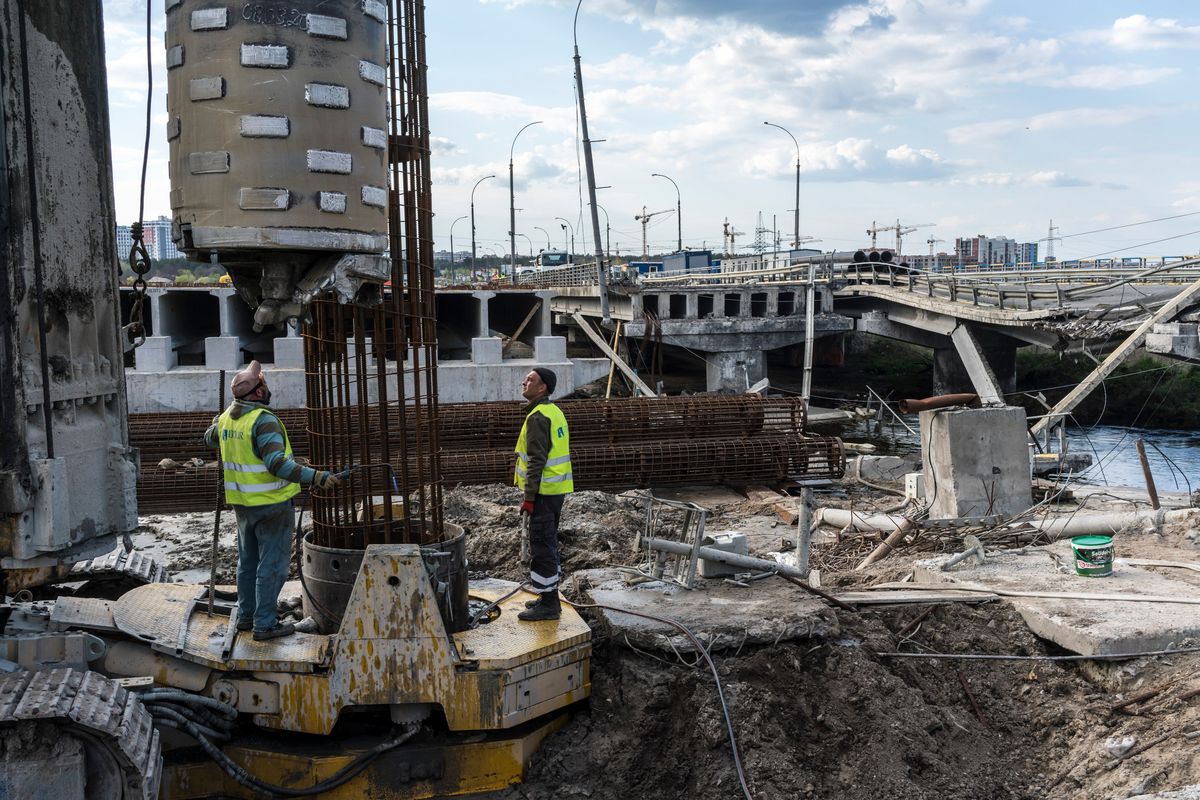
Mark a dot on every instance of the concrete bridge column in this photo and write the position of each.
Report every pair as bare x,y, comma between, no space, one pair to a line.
223,351
718,311
773,302
485,298
545,318
157,354
734,372
950,374
485,348
289,350
692,305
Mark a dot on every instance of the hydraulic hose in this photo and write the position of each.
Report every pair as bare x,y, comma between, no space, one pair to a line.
733,746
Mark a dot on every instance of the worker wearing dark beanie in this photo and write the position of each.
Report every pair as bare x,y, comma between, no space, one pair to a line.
548,377
543,473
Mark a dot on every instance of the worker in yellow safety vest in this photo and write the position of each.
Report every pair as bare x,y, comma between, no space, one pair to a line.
261,478
543,473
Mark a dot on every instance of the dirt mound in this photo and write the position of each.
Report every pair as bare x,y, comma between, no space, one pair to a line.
829,719
597,529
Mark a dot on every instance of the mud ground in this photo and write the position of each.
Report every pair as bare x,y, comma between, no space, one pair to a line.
829,717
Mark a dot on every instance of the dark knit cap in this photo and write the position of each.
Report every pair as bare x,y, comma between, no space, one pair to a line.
548,377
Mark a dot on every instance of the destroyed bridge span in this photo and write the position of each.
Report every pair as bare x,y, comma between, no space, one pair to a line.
974,323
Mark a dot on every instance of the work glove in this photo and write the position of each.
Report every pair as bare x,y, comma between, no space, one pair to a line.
527,507
327,480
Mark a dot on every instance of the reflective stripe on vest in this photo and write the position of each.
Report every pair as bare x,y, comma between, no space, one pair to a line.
248,482
556,475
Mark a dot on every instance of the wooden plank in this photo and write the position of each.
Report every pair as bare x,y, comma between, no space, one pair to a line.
611,366
1105,598
521,327
638,384
899,597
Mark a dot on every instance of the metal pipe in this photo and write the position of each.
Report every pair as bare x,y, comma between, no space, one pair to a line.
844,518
939,401
733,559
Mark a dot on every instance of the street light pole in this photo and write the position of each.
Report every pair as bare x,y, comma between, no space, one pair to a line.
526,238
571,250
543,230
607,236
452,224
678,209
796,237
512,202
473,188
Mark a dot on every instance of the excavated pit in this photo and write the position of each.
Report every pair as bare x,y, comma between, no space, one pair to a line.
823,715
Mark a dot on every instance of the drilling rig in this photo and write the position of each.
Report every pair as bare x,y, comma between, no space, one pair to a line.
299,156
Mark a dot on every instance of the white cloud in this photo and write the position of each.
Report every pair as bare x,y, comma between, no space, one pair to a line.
1072,118
849,159
1113,77
1054,179
1139,32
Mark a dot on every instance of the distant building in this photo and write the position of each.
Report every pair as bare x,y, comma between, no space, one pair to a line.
932,263
124,242
994,250
156,236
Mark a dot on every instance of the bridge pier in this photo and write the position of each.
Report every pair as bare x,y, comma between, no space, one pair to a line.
734,372
950,375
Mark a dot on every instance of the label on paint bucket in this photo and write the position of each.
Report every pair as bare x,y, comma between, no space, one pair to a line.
1093,555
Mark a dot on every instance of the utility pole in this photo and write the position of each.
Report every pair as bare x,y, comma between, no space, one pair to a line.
601,267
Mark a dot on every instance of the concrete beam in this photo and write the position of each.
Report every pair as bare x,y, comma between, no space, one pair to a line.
978,369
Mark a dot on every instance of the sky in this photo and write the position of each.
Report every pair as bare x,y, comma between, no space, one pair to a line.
957,117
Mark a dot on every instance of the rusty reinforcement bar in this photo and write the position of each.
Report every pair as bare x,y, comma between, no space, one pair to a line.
739,461
485,426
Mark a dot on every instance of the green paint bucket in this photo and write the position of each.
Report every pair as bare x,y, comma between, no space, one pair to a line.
1093,555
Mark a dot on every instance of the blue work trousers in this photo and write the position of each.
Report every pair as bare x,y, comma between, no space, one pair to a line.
264,544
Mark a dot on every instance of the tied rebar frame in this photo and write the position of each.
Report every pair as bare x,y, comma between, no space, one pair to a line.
371,370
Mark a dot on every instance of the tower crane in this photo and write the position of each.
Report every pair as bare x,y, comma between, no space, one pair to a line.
932,241
644,218
730,234
900,229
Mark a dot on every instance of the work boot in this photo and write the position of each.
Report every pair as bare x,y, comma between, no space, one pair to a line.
275,633
533,602
245,624
546,607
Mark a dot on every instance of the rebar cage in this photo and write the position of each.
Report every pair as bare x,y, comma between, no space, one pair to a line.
371,371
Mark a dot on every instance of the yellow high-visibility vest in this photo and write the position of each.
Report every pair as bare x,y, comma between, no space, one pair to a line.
556,475
247,480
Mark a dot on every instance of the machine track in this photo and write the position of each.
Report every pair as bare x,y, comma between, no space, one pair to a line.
123,756
131,565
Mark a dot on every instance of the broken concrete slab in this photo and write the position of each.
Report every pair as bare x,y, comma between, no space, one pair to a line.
883,469
720,615
1186,793
1087,627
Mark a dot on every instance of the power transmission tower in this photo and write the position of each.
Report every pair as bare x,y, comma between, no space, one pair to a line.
1050,240
760,236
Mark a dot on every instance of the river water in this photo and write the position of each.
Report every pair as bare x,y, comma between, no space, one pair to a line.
1174,455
